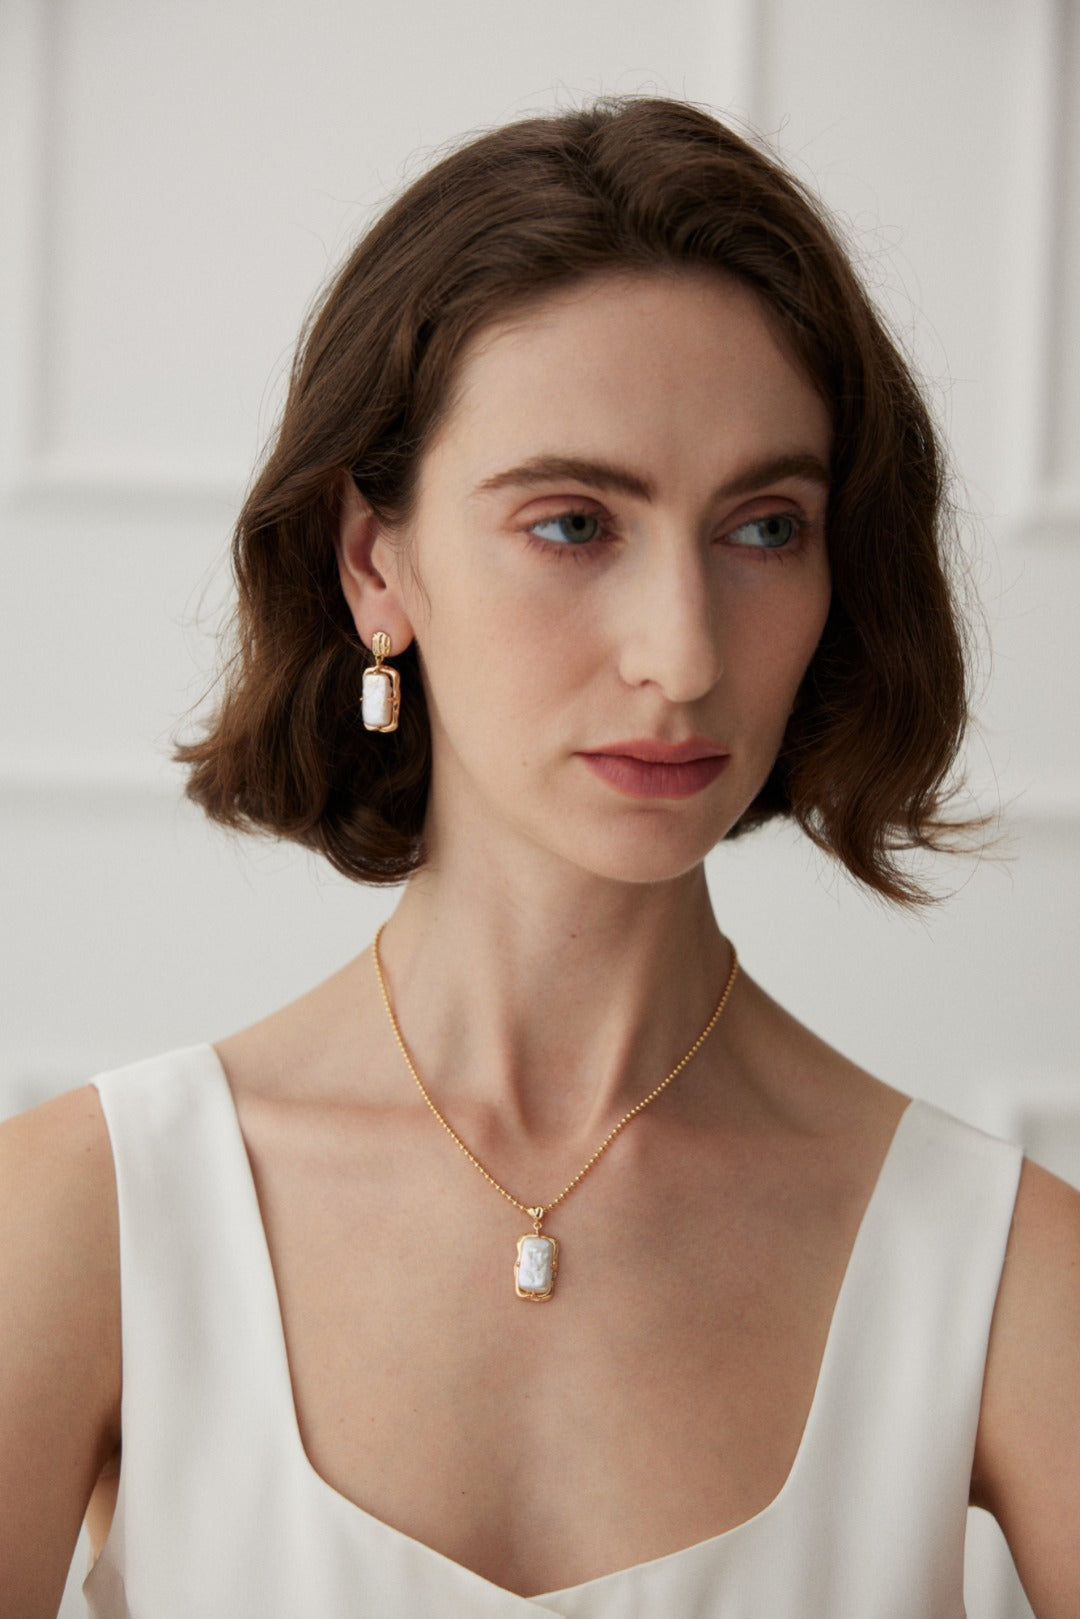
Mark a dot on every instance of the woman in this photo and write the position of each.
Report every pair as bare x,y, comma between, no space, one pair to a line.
600,449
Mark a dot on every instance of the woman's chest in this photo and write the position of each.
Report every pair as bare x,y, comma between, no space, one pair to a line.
656,1400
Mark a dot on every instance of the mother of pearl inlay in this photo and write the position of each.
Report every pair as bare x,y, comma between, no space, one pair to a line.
377,698
534,1272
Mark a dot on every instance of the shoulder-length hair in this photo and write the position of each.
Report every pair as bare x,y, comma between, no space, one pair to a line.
865,767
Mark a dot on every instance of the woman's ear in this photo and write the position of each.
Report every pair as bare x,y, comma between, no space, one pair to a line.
371,590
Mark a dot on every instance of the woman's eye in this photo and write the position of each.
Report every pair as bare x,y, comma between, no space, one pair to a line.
571,528
767,533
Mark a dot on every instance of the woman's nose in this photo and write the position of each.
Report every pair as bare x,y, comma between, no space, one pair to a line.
671,630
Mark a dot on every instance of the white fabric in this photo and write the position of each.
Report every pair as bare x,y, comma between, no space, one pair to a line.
221,1515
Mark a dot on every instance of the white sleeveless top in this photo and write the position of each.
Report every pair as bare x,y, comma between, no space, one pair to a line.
220,1514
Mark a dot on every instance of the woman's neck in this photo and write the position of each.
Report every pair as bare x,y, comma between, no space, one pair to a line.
556,1006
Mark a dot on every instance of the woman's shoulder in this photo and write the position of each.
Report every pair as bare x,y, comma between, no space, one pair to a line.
60,1351
1027,1459
59,1210
56,1174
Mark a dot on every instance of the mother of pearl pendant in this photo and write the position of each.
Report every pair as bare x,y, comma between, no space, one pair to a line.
380,699
536,1267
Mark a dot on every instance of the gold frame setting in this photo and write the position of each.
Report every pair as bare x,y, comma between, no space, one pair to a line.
383,671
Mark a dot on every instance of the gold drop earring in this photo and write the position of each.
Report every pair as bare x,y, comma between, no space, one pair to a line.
381,699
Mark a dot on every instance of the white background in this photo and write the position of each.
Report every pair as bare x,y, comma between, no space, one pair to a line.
177,180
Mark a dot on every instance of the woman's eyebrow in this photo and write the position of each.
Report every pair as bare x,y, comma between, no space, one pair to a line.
542,469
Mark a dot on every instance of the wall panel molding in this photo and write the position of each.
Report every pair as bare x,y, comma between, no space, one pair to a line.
49,482
741,38
1049,806
36,470
1051,518
1047,333
25,156
41,469
1062,452
124,782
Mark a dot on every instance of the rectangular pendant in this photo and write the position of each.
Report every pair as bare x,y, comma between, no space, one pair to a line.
380,699
536,1267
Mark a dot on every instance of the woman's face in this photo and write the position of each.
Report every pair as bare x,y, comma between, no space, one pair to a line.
619,540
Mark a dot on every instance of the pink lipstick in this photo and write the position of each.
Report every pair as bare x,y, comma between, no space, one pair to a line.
646,768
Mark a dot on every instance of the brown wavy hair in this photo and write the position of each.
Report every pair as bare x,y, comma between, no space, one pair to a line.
865,767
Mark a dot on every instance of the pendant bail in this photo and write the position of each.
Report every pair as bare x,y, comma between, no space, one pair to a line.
538,1218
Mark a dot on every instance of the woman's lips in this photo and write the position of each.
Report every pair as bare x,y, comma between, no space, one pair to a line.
641,778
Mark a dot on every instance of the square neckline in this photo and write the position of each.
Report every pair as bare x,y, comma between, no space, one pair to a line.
362,1517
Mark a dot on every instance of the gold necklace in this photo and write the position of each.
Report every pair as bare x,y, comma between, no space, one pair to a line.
537,1262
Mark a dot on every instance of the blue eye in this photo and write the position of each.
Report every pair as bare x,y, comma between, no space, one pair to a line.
575,528
771,533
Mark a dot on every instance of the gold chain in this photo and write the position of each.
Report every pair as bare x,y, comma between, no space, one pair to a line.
539,1210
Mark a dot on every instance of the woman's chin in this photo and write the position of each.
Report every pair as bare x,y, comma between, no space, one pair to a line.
643,854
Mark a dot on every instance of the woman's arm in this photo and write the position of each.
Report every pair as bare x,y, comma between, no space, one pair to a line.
1027,1456
60,1360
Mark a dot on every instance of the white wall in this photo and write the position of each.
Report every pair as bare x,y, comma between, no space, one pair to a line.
178,178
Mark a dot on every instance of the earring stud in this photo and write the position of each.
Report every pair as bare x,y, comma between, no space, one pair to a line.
381,689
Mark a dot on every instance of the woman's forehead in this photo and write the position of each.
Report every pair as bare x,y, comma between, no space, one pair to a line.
612,302
629,370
